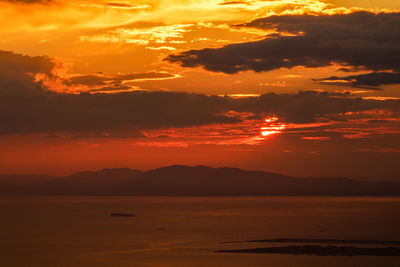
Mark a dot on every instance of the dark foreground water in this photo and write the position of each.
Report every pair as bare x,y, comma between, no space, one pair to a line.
79,231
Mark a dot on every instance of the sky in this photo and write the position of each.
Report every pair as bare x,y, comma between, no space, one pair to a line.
298,87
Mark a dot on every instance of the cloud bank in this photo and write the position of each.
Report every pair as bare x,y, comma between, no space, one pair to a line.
371,80
27,106
359,39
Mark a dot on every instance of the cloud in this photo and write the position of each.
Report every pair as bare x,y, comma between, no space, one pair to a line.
19,64
234,3
359,39
127,6
309,106
160,34
18,72
57,112
102,78
114,5
117,82
368,81
27,106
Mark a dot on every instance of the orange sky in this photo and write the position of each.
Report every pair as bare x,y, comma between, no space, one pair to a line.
115,50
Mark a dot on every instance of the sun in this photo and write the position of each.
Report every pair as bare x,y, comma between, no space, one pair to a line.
272,126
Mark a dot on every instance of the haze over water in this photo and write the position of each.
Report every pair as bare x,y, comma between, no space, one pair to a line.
167,231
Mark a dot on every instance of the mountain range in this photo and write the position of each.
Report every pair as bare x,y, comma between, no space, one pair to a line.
178,180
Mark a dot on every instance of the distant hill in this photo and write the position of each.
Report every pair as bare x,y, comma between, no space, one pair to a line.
180,180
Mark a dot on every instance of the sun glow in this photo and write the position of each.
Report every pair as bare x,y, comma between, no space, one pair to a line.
272,126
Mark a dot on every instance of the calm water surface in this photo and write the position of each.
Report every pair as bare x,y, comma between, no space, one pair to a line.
78,231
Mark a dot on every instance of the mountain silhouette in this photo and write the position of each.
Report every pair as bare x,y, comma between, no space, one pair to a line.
178,180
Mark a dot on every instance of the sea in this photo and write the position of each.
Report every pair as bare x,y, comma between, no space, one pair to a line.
186,231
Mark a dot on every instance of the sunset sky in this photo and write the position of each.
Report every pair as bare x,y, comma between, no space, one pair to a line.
298,87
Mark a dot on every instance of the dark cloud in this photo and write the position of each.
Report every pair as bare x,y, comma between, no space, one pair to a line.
55,112
119,5
123,134
369,81
103,79
17,73
102,82
345,70
309,106
26,106
125,5
234,3
360,39
16,64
